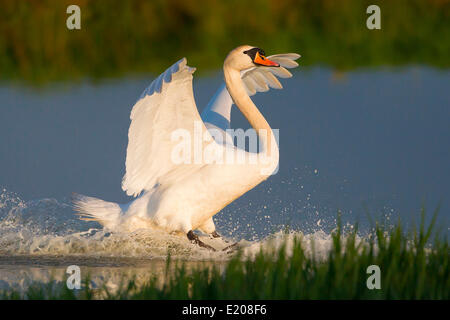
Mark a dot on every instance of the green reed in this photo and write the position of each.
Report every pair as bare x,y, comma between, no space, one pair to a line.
413,264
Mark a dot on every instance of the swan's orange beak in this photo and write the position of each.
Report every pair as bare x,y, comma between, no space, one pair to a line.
263,61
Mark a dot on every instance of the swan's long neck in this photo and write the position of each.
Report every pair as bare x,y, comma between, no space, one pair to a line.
250,111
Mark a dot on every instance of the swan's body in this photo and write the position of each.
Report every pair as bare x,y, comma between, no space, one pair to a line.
181,197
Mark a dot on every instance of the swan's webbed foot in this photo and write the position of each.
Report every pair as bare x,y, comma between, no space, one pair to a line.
231,248
214,234
195,239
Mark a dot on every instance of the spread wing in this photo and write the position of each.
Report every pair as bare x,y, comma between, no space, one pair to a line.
166,106
260,79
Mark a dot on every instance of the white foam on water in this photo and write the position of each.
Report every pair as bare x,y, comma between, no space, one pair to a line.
48,227
40,238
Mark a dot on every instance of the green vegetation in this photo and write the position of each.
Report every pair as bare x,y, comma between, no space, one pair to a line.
412,267
122,37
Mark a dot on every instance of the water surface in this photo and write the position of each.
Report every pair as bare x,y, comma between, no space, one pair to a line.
372,143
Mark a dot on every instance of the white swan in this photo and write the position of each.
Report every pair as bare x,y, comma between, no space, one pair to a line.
184,196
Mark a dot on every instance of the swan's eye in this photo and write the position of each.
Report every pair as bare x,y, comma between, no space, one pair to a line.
252,52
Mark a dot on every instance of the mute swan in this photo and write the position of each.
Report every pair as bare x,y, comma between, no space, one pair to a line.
184,196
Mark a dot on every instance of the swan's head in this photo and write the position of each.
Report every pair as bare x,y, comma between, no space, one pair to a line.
245,57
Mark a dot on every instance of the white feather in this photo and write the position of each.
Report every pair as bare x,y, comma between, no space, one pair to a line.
167,105
259,79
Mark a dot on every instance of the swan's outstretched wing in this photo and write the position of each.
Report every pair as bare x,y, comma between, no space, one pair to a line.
165,106
260,79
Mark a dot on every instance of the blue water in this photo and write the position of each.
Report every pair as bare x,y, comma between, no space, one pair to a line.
373,143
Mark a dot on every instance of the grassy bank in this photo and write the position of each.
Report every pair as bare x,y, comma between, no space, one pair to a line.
412,265
122,37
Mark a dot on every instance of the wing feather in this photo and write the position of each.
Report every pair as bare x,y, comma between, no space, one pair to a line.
259,79
167,105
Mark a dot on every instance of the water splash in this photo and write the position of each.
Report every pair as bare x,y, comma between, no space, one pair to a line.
48,227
